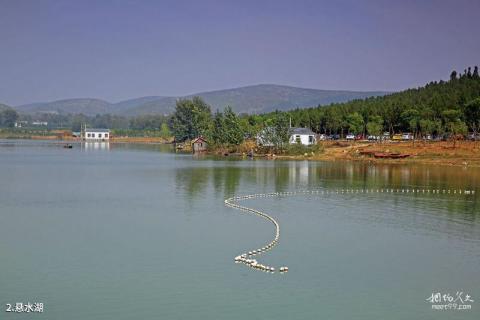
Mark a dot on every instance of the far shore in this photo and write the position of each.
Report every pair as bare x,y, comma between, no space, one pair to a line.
445,153
67,139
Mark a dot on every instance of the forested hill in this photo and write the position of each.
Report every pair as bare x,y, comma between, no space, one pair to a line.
250,99
430,107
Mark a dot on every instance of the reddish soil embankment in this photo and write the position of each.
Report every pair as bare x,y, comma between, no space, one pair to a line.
441,153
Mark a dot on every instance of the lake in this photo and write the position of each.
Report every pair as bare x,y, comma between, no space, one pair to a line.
139,232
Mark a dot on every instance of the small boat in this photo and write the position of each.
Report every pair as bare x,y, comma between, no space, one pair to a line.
398,155
366,153
68,146
390,155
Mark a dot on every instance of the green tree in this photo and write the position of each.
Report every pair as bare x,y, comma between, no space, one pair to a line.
249,129
472,114
218,127
332,119
375,125
192,118
202,116
355,123
183,120
411,117
428,127
453,124
232,131
165,131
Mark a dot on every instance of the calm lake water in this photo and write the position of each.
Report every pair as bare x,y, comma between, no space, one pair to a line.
139,232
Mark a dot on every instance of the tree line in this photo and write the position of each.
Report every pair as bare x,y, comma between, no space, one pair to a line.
140,125
445,107
193,118
440,107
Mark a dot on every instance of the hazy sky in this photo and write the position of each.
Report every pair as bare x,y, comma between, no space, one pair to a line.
116,50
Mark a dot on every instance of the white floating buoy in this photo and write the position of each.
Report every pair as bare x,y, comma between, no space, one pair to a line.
230,202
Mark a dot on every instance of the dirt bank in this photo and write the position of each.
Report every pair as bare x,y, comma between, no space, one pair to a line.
465,153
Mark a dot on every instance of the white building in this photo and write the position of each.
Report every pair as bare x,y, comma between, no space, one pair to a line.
20,124
40,123
304,136
90,134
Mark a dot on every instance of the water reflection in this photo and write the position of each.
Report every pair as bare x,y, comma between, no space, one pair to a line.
193,181
228,178
96,146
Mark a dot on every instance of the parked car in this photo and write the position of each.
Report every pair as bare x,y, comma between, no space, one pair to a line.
350,137
373,138
334,137
427,137
386,136
473,137
407,136
321,137
397,137
359,137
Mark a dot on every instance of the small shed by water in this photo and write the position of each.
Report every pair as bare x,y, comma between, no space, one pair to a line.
199,145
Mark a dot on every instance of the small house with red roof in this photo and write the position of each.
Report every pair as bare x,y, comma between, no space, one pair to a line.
199,145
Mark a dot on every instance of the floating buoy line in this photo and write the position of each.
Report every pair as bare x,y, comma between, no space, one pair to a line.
247,258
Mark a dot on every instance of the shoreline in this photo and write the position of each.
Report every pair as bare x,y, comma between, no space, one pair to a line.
464,154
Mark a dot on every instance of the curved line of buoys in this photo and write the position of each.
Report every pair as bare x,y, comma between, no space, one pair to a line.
247,257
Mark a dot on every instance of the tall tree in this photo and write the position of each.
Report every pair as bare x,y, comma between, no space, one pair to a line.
453,124
217,132
165,131
472,114
411,117
232,131
332,119
427,126
475,73
453,75
192,118
375,126
355,123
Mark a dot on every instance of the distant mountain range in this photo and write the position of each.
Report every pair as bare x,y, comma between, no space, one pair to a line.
251,99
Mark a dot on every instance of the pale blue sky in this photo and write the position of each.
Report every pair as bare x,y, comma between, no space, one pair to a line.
116,50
